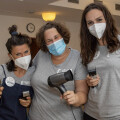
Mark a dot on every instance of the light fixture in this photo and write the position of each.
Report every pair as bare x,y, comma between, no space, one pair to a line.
21,0
49,16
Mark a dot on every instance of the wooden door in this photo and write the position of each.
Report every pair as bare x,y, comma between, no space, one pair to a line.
34,47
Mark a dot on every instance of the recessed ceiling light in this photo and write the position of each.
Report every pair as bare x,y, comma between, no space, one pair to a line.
49,16
21,0
31,12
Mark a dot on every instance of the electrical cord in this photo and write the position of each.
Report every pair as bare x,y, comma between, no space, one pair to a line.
73,112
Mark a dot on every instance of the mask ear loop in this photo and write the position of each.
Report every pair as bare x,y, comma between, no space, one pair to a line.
44,44
12,57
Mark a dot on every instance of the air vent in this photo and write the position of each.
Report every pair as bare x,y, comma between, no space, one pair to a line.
74,1
98,1
117,7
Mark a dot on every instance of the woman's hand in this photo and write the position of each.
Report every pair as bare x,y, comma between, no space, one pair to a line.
1,89
70,97
93,81
25,103
79,97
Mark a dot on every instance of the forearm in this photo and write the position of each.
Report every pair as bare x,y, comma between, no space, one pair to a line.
78,97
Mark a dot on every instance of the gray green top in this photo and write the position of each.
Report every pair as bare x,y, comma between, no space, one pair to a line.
25,80
104,100
46,104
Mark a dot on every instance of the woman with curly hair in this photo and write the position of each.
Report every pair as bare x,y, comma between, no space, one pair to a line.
55,57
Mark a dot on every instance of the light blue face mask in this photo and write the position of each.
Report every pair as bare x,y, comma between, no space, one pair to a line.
57,48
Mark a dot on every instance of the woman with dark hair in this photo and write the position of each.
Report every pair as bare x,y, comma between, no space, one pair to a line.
15,89
100,50
55,57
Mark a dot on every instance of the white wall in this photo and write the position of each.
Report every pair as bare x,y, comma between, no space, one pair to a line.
74,29
21,22
117,22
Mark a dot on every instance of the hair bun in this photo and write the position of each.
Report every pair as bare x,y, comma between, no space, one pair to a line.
13,30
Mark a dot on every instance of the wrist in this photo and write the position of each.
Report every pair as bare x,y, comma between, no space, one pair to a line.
77,101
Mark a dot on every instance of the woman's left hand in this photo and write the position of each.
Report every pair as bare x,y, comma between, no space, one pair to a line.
25,103
70,97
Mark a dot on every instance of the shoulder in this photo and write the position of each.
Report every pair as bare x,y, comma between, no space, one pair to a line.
2,68
38,56
40,52
31,69
29,73
75,52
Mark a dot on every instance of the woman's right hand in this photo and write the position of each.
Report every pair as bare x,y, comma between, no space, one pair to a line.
1,89
70,97
93,81
25,103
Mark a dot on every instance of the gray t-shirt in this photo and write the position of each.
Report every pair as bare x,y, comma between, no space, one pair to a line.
25,80
46,104
104,99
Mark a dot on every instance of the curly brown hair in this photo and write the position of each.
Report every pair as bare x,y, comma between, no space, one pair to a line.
62,30
89,43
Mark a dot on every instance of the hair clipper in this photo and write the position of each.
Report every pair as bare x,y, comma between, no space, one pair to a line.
92,73
25,94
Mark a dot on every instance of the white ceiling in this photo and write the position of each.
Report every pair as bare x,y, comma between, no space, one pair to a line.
65,11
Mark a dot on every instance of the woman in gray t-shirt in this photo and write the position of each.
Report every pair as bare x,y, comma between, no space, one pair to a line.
100,50
55,57
15,89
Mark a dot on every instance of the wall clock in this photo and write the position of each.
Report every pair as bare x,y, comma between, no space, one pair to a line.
30,27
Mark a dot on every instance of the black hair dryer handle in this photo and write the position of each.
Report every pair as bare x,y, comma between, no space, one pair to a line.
62,89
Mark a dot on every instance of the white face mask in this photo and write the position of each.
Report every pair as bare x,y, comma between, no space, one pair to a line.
23,62
97,30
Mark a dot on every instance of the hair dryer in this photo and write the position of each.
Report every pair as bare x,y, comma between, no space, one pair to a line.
57,80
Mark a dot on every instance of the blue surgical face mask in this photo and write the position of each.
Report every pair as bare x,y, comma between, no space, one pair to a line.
57,48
